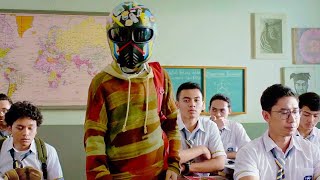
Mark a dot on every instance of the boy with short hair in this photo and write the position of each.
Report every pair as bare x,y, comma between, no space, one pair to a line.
309,104
278,153
19,150
202,150
233,135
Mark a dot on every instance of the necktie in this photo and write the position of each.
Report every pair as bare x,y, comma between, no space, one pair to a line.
16,163
190,142
280,163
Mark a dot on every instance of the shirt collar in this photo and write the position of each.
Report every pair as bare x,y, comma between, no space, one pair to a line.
310,136
226,125
33,147
269,144
182,126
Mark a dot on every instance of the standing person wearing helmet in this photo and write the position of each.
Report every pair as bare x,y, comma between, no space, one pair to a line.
123,131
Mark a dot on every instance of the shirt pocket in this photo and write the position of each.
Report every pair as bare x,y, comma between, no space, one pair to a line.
304,173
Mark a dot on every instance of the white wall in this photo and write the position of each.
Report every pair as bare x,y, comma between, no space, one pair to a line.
203,32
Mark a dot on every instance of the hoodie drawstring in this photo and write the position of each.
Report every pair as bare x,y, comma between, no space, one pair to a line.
128,104
147,107
145,129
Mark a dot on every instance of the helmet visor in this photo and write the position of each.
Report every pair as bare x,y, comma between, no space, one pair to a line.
138,35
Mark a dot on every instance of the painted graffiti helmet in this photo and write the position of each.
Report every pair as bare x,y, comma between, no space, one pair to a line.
131,32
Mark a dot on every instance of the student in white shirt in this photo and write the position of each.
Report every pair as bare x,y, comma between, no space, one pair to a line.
202,150
309,104
233,135
279,153
19,150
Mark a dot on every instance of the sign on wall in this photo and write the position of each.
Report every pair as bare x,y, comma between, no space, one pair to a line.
229,81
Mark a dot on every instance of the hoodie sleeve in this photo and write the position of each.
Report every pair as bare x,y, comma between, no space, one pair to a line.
95,129
169,126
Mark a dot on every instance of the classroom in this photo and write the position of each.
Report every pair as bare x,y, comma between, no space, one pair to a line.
204,33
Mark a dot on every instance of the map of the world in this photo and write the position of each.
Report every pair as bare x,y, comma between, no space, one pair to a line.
50,59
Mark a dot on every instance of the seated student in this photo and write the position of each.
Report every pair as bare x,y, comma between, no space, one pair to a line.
278,153
309,104
5,104
19,150
202,150
233,135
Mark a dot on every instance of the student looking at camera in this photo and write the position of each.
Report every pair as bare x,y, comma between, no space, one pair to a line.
202,150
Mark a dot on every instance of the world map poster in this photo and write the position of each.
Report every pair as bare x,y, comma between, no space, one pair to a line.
50,59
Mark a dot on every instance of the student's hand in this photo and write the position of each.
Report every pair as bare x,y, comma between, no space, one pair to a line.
206,153
170,175
219,122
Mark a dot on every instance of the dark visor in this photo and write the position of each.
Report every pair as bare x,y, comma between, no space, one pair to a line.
127,34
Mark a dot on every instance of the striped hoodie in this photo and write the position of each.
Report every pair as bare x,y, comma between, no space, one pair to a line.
123,133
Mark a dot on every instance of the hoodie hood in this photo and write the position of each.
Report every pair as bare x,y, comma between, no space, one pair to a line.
114,70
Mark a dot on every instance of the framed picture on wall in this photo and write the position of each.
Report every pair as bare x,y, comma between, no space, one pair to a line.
301,79
306,45
268,36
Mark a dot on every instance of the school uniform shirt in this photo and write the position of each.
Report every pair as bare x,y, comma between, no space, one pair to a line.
206,134
256,159
313,137
53,164
233,136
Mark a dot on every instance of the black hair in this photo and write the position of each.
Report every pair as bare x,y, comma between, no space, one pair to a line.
311,100
4,97
272,94
188,85
220,97
23,109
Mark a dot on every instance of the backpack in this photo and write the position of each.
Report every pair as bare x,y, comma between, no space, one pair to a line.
42,154
158,80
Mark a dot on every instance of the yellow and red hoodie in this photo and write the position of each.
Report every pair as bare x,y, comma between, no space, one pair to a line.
123,133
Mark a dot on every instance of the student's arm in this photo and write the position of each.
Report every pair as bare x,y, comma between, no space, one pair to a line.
246,164
211,165
249,178
216,149
95,127
316,161
170,126
54,169
188,154
242,138
231,155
